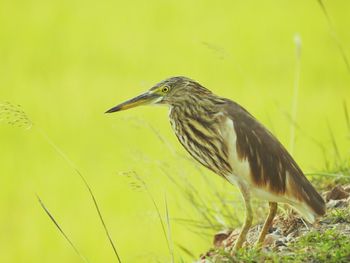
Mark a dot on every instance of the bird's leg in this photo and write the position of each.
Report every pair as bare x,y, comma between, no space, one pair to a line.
267,224
248,218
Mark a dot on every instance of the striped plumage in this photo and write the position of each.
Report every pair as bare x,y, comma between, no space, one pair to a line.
198,133
227,139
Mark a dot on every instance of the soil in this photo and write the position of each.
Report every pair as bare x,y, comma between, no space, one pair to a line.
287,228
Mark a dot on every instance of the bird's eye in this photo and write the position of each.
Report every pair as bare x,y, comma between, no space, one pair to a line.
165,89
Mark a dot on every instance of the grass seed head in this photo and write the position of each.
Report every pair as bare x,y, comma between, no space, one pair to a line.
14,115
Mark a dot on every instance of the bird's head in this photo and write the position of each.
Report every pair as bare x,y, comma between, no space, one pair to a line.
172,91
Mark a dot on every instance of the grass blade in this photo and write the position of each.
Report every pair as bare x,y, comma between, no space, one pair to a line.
334,143
186,251
139,183
65,157
297,41
347,119
16,116
160,218
334,34
61,230
327,174
169,230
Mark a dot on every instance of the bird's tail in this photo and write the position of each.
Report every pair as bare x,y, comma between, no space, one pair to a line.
311,203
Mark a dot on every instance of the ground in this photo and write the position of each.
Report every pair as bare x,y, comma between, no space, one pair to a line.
291,239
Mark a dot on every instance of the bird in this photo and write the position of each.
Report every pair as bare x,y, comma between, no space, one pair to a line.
224,137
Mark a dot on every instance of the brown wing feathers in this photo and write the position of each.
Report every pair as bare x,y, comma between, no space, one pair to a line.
270,163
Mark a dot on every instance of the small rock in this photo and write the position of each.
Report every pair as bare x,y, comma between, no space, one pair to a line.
290,237
337,193
347,188
273,229
277,232
326,221
337,204
220,237
279,243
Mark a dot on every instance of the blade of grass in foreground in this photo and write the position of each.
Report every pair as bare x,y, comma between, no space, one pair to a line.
334,143
186,251
14,115
139,183
169,229
346,113
61,230
297,41
71,164
334,34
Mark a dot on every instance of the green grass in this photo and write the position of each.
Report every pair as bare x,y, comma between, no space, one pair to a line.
338,216
330,245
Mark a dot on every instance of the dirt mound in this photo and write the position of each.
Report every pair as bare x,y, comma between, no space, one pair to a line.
288,230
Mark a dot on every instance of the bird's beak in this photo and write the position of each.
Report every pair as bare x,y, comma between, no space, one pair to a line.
144,99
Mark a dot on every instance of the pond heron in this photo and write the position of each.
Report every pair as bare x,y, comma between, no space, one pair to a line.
228,140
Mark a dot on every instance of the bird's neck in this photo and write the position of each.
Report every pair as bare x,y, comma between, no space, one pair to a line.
204,107
180,112
197,127
203,113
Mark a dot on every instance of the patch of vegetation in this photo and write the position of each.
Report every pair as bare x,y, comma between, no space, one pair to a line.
338,216
329,246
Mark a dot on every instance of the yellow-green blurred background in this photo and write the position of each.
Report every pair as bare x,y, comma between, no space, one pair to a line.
66,62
